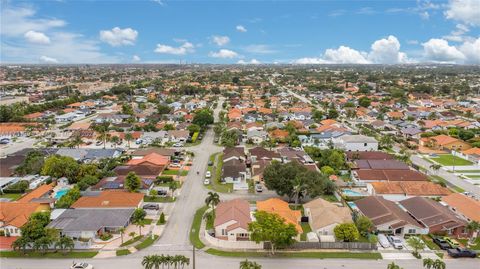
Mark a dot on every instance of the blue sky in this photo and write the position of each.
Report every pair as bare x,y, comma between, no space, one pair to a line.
249,32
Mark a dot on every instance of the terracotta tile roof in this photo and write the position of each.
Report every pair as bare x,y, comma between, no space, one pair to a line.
472,151
110,199
152,158
328,122
443,139
411,188
6,128
281,208
277,133
37,193
237,210
467,206
16,213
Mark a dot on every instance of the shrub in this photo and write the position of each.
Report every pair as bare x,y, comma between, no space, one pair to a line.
164,179
161,221
106,236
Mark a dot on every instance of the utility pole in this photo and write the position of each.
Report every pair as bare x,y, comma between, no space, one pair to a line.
193,257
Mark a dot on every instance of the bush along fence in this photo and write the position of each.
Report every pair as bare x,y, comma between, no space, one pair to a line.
328,245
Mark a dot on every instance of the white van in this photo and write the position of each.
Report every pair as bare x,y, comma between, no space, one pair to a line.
382,239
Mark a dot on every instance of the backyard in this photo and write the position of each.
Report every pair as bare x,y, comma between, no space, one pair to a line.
450,160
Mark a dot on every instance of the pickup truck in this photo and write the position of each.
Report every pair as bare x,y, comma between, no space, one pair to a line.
461,252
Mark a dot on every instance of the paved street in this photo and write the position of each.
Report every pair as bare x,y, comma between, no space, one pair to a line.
20,144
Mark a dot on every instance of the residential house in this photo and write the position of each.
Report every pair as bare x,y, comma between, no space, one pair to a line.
444,142
256,137
368,155
323,216
232,219
90,223
401,190
13,215
372,175
436,217
388,217
110,199
465,207
176,136
281,208
358,143
235,171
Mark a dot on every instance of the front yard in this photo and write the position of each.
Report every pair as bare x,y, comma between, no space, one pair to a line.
450,160
216,172
476,246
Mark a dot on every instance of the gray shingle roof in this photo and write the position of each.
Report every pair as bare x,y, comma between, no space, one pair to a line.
91,219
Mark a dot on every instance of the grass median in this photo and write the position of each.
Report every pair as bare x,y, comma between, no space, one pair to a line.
195,229
147,242
123,252
49,255
299,254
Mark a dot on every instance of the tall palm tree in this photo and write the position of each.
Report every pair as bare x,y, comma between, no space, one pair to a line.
102,129
121,231
184,261
392,265
473,227
428,263
76,141
439,264
114,139
128,137
148,261
212,199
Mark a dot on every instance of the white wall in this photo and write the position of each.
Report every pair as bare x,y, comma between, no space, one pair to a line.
232,244
361,146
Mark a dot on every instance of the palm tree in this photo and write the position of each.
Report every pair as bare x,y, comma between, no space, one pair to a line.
173,186
298,188
114,139
439,264
148,261
212,199
246,264
76,141
122,231
435,167
65,243
428,263
128,137
102,129
132,234
184,261
473,227
393,266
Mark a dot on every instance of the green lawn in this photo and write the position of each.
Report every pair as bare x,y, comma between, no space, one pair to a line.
428,241
123,252
159,199
49,255
195,229
306,229
170,172
178,183
131,241
11,196
215,183
467,171
450,160
329,197
147,242
313,255
147,221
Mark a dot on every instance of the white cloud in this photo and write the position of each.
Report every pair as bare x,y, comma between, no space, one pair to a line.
387,51
49,60
241,28
383,51
220,40
260,49
36,37
119,37
471,51
438,50
185,48
466,11
136,58
64,47
412,42
16,21
160,2
252,61
224,53
458,35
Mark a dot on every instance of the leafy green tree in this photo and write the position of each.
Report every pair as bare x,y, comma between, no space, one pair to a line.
32,164
21,243
132,182
162,219
439,264
346,232
415,243
127,109
327,170
203,118
273,229
229,138
61,166
428,263
466,135
392,265
364,225
128,138
163,109
193,128
364,102
69,198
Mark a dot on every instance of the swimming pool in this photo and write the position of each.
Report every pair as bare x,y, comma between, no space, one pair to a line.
352,205
60,193
348,192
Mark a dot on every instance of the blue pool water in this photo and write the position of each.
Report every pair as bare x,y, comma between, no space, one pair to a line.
352,205
348,192
60,193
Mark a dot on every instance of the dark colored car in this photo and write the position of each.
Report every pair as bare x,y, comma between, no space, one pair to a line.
461,252
210,163
442,243
161,192
151,206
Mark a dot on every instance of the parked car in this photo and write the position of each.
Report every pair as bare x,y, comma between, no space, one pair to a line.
206,181
162,192
210,163
382,239
451,242
99,143
177,145
138,141
461,252
395,241
208,174
258,187
81,265
151,206
4,141
441,243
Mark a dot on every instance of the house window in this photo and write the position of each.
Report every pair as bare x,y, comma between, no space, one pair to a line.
412,231
16,230
223,232
364,144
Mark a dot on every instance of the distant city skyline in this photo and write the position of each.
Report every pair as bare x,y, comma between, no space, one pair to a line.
243,32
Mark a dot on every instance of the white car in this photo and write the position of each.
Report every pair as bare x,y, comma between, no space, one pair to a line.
382,239
208,174
395,241
206,181
81,265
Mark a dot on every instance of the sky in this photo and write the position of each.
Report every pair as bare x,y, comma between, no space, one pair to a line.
243,32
